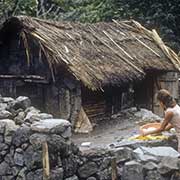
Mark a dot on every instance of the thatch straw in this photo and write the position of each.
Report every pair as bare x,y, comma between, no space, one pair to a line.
101,54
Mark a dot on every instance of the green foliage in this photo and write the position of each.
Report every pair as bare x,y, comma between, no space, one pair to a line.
162,15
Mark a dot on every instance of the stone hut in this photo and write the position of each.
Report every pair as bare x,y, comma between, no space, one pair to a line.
98,69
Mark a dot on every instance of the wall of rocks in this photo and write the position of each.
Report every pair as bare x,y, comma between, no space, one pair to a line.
23,130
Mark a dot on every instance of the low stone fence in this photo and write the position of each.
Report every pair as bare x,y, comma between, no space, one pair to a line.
24,131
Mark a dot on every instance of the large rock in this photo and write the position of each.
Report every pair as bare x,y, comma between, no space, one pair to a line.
72,178
132,170
37,140
154,175
10,129
32,159
22,102
147,115
35,115
168,164
22,174
53,126
21,136
122,154
105,174
157,151
19,158
70,165
150,166
143,158
7,100
19,119
35,175
4,114
56,174
9,160
87,170
3,106
5,169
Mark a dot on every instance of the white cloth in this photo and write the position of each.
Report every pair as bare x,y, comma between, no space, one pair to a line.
175,121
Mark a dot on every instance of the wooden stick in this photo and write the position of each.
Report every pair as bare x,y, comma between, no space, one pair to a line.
146,46
114,169
126,60
118,45
46,171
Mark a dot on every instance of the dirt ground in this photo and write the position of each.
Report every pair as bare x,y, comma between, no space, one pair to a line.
106,133
121,126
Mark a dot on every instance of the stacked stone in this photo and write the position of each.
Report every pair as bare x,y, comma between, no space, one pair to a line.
23,130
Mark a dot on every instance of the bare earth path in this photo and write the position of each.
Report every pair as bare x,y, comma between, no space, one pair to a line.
108,132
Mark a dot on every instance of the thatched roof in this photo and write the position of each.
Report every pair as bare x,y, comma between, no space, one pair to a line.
98,54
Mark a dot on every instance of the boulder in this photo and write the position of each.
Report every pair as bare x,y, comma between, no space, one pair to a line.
132,170
91,178
150,166
34,116
10,129
9,160
7,178
168,164
122,154
21,136
154,175
19,119
19,159
4,114
35,175
5,169
87,170
70,165
143,158
7,100
37,140
158,151
72,178
53,126
105,174
22,102
3,106
32,159
56,174
22,174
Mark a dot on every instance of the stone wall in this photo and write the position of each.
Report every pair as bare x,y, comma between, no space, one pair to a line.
23,130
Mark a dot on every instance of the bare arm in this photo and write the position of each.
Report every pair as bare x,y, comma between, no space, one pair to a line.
165,125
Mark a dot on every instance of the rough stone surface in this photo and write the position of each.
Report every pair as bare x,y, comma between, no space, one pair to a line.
37,139
153,175
133,170
168,164
150,166
19,159
123,154
5,114
57,174
21,136
158,151
87,170
72,178
19,119
10,129
22,102
36,175
21,151
32,158
53,126
5,169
